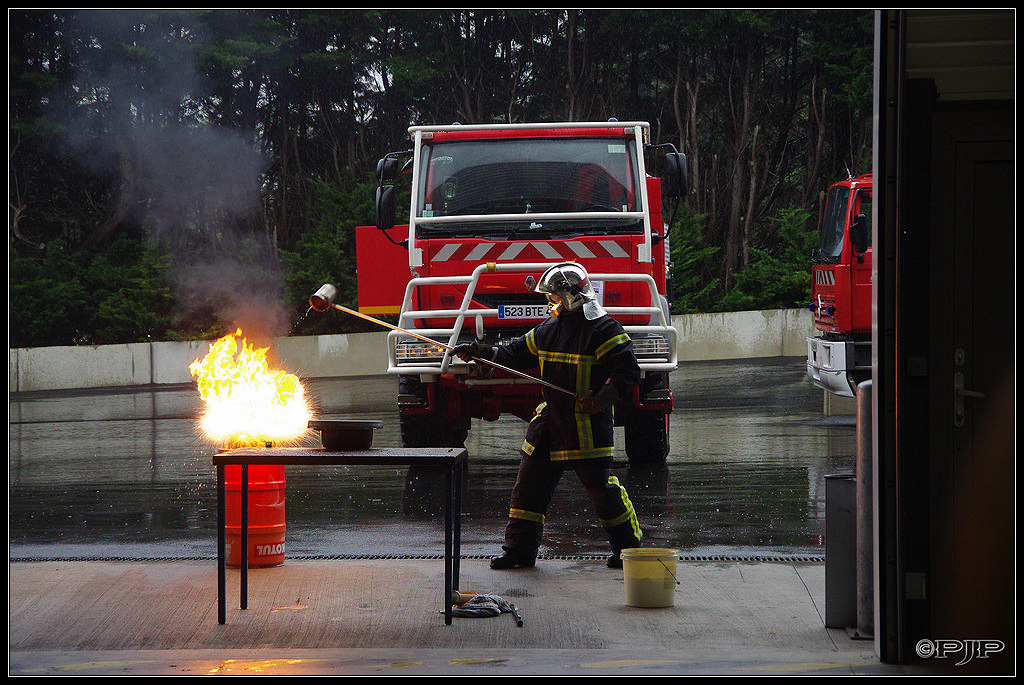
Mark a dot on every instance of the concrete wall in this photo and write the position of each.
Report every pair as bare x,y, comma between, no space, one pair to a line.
734,335
741,335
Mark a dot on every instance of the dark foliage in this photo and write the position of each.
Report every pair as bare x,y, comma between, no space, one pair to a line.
173,173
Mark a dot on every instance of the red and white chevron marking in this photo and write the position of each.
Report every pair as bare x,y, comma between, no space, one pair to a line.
825,277
531,251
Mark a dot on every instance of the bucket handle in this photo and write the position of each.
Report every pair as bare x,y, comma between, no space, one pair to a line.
669,571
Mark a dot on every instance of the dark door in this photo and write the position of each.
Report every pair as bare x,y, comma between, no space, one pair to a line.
971,421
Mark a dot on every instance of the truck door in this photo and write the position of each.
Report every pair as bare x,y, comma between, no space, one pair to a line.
860,261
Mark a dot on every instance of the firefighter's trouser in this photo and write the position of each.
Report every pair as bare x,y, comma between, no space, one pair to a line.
535,486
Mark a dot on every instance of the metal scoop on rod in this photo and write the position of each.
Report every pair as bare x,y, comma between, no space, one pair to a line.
323,299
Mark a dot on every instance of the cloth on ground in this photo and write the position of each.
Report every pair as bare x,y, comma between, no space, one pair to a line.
482,605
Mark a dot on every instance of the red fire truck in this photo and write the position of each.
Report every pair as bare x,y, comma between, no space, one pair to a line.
840,358
492,207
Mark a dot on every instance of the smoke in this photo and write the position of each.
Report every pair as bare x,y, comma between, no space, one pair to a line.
193,185
204,206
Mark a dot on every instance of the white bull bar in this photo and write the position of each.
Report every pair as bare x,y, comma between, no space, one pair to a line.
661,324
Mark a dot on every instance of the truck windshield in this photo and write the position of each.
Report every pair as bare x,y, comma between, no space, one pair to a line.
833,226
485,186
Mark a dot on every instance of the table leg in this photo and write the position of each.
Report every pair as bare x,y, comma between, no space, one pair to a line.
457,560
448,511
243,591
221,576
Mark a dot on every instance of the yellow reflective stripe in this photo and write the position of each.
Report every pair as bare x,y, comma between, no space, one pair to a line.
584,427
628,516
611,523
612,343
526,447
593,453
565,357
524,515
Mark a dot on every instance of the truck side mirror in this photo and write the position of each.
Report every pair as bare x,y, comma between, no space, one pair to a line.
676,182
384,208
859,233
387,169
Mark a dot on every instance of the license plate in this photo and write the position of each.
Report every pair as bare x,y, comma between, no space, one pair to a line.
522,311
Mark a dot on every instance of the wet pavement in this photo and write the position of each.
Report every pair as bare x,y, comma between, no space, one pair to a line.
126,474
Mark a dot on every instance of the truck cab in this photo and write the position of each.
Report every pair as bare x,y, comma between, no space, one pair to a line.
839,358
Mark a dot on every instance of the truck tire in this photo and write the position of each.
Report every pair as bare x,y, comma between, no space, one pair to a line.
432,428
647,447
646,434
646,430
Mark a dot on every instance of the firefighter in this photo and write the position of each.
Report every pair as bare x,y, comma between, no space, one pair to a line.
582,349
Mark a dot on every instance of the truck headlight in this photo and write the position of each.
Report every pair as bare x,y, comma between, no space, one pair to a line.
651,346
417,351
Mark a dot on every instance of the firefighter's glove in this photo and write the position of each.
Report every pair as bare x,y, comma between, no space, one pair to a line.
469,351
604,398
477,352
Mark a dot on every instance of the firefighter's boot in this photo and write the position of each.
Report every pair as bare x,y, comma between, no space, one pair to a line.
522,539
622,536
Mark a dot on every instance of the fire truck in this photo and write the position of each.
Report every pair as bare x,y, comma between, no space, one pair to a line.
840,357
491,208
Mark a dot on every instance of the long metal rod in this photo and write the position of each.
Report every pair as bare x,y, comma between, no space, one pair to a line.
452,349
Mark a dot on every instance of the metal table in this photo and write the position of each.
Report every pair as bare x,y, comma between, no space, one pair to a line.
451,459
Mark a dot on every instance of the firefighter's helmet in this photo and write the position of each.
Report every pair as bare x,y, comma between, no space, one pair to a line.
568,287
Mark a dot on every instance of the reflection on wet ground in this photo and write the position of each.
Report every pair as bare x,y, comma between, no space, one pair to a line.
125,473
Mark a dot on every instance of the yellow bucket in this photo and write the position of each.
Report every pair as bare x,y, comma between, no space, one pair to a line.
649,574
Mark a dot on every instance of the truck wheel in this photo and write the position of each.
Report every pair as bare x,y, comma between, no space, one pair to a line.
647,448
432,428
647,477
646,431
646,435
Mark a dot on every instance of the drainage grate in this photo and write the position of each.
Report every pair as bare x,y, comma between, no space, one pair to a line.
739,558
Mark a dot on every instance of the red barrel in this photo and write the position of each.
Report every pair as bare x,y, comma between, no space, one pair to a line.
266,515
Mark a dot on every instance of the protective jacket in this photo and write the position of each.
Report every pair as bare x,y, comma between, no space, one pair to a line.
583,357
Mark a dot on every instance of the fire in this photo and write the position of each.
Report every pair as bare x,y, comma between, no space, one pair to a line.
247,403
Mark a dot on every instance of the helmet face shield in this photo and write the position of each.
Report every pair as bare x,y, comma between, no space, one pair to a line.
554,300
568,288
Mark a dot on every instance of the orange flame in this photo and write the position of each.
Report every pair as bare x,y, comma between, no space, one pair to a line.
247,403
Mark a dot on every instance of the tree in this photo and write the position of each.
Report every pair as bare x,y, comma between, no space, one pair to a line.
326,253
210,144
692,259
779,273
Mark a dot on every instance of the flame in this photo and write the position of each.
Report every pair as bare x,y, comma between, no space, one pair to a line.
247,403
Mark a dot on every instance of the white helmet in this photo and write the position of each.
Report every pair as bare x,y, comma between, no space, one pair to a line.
568,285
